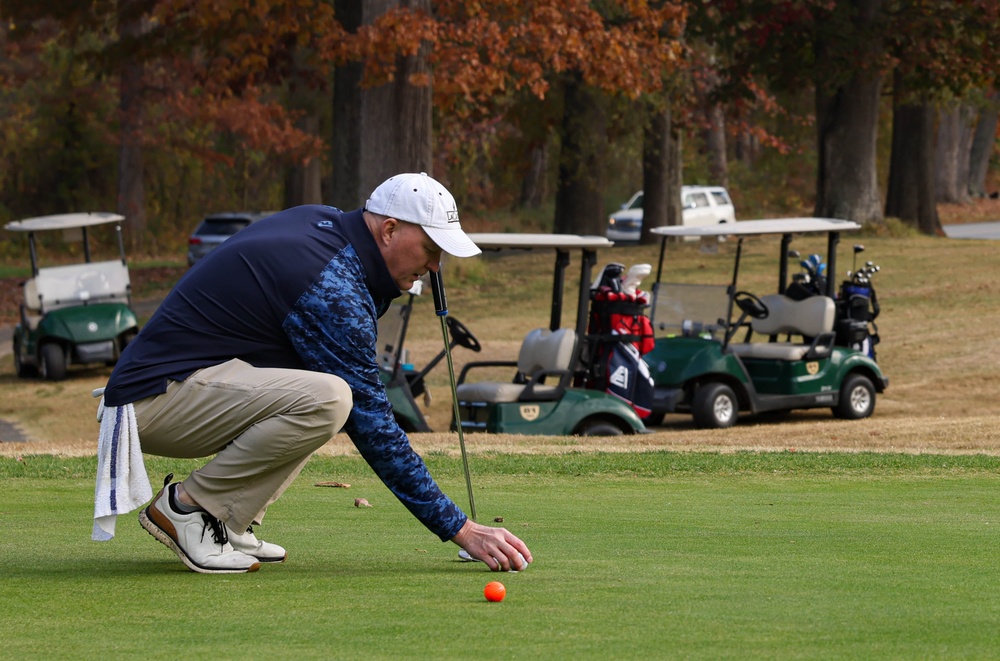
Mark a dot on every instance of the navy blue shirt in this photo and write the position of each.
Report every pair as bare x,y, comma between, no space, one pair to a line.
302,289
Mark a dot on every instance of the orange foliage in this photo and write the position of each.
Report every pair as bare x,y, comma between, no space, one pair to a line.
483,50
224,64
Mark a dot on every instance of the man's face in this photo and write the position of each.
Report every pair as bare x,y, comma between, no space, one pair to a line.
409,252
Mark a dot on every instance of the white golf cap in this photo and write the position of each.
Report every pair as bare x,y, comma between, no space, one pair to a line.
419,199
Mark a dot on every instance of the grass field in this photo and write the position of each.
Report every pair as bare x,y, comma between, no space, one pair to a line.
798,536
647,555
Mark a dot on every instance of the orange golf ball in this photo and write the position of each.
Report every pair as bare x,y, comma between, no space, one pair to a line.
494,591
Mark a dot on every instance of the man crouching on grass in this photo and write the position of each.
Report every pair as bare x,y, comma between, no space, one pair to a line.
267,348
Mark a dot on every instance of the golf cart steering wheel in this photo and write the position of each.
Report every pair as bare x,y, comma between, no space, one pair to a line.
751,305
461,335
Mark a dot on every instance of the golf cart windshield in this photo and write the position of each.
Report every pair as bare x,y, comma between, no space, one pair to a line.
701,309
563,244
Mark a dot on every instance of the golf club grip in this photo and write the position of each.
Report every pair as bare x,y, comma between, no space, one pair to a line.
437,286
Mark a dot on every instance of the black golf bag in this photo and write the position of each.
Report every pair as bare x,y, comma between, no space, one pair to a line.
618,335
857,309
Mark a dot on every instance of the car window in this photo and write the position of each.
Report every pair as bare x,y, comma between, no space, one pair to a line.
636,203
221,226
721,197
696,200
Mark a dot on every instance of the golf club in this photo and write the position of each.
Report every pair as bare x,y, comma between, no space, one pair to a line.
857,248
441,308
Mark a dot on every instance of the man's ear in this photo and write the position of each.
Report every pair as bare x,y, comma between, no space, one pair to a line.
387,229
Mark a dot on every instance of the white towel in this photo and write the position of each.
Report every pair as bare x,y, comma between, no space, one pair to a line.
122,483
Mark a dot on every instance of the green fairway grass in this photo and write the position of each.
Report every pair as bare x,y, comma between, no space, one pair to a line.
648,555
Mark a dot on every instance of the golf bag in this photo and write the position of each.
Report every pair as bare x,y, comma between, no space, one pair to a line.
810,282
857,309
618,335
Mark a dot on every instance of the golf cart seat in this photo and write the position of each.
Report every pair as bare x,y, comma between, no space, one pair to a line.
544,353
811,319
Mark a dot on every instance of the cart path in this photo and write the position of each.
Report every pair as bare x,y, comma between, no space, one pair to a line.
11,433
973,231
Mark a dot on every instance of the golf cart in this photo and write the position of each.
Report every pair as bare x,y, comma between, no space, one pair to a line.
541,395
707,364
73,313
403,382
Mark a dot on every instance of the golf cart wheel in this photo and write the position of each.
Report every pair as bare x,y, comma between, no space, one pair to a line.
53,364
715,406
598,427
857,398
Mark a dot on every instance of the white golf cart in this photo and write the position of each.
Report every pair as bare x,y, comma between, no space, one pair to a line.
72,313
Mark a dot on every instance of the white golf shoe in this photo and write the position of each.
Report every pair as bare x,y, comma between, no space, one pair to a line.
199,539
247,542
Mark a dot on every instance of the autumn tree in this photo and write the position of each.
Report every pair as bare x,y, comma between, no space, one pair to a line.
836,48
131,183
485,57
199,88
943,51
983,141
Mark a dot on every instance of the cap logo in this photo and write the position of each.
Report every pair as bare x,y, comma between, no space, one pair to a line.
452,216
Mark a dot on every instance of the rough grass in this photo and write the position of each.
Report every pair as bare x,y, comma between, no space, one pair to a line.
940,303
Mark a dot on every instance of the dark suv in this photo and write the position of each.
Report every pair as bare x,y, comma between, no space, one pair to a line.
218,227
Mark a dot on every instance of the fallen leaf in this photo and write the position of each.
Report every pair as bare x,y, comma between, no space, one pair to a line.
498,519
340,485
361,502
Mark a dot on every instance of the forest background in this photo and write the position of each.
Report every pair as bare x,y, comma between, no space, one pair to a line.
540,115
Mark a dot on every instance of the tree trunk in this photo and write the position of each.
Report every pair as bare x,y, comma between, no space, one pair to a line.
747,148
983,141
954,143
579,198
533,184
910,196
381,131
131,190
303,181
715,144
396,122
345,143
662,174
847,130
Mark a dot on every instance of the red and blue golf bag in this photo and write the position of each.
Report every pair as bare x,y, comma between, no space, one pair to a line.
619,334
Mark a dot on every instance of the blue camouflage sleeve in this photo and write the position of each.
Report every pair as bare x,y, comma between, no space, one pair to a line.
333,327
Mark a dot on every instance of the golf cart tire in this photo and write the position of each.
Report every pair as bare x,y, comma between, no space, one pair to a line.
598,427
53,363
857,398
715,406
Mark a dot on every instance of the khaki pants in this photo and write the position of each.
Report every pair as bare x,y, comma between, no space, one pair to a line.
262,425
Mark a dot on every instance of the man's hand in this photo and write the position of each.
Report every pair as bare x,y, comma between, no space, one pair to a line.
499,548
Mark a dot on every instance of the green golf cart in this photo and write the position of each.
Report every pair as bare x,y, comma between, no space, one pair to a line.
779,353
540,394
72,313
403,381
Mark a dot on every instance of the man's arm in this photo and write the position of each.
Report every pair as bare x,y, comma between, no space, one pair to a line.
333,328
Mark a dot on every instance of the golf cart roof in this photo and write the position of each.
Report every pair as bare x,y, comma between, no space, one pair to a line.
754,227
499,241
63,221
